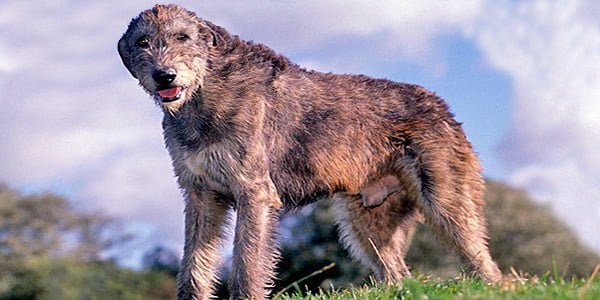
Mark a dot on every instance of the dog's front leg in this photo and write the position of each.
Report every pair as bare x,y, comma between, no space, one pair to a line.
205,217
255,252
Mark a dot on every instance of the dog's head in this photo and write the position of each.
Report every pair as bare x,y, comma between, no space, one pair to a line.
167,48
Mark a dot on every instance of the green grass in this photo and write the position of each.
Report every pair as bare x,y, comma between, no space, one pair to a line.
420,287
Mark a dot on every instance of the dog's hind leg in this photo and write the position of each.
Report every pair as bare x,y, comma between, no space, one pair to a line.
378,237
443,179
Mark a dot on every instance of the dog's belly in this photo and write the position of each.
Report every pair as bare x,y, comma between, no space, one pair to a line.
320,172
291,201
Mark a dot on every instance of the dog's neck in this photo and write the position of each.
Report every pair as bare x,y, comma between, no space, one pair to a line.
238,78
229,48
235,63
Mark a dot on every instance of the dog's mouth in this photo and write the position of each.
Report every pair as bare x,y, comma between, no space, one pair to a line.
170,94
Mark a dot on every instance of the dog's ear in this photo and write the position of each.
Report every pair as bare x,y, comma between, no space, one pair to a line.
123,48
213,34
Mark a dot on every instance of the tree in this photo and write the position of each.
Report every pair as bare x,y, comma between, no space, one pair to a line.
41,227
50,250
46,224
524,235
527,235
161,259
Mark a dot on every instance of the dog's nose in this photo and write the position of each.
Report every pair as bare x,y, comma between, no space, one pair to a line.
163,77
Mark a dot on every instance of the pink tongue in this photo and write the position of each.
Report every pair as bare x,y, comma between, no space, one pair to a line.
169,93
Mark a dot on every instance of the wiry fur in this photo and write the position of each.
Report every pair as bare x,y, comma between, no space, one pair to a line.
256,133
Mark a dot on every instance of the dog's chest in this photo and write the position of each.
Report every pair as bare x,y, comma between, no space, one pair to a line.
200,154
215,164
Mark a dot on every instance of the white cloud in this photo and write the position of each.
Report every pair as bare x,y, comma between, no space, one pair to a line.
551,50
6,64
137,187
393,29
295,24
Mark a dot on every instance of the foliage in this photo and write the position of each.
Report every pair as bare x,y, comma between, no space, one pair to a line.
47,225
161,259
50,250
527,236
66,278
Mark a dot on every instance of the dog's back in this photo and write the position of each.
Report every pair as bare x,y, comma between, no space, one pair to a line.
336,133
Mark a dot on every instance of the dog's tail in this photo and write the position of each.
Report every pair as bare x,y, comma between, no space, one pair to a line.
441,175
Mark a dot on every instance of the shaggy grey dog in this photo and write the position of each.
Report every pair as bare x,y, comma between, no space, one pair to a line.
250,131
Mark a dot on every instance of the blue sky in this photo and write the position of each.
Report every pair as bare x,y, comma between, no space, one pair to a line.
523,77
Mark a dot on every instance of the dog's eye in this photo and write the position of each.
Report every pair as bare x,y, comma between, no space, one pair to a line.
142,42
183,37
